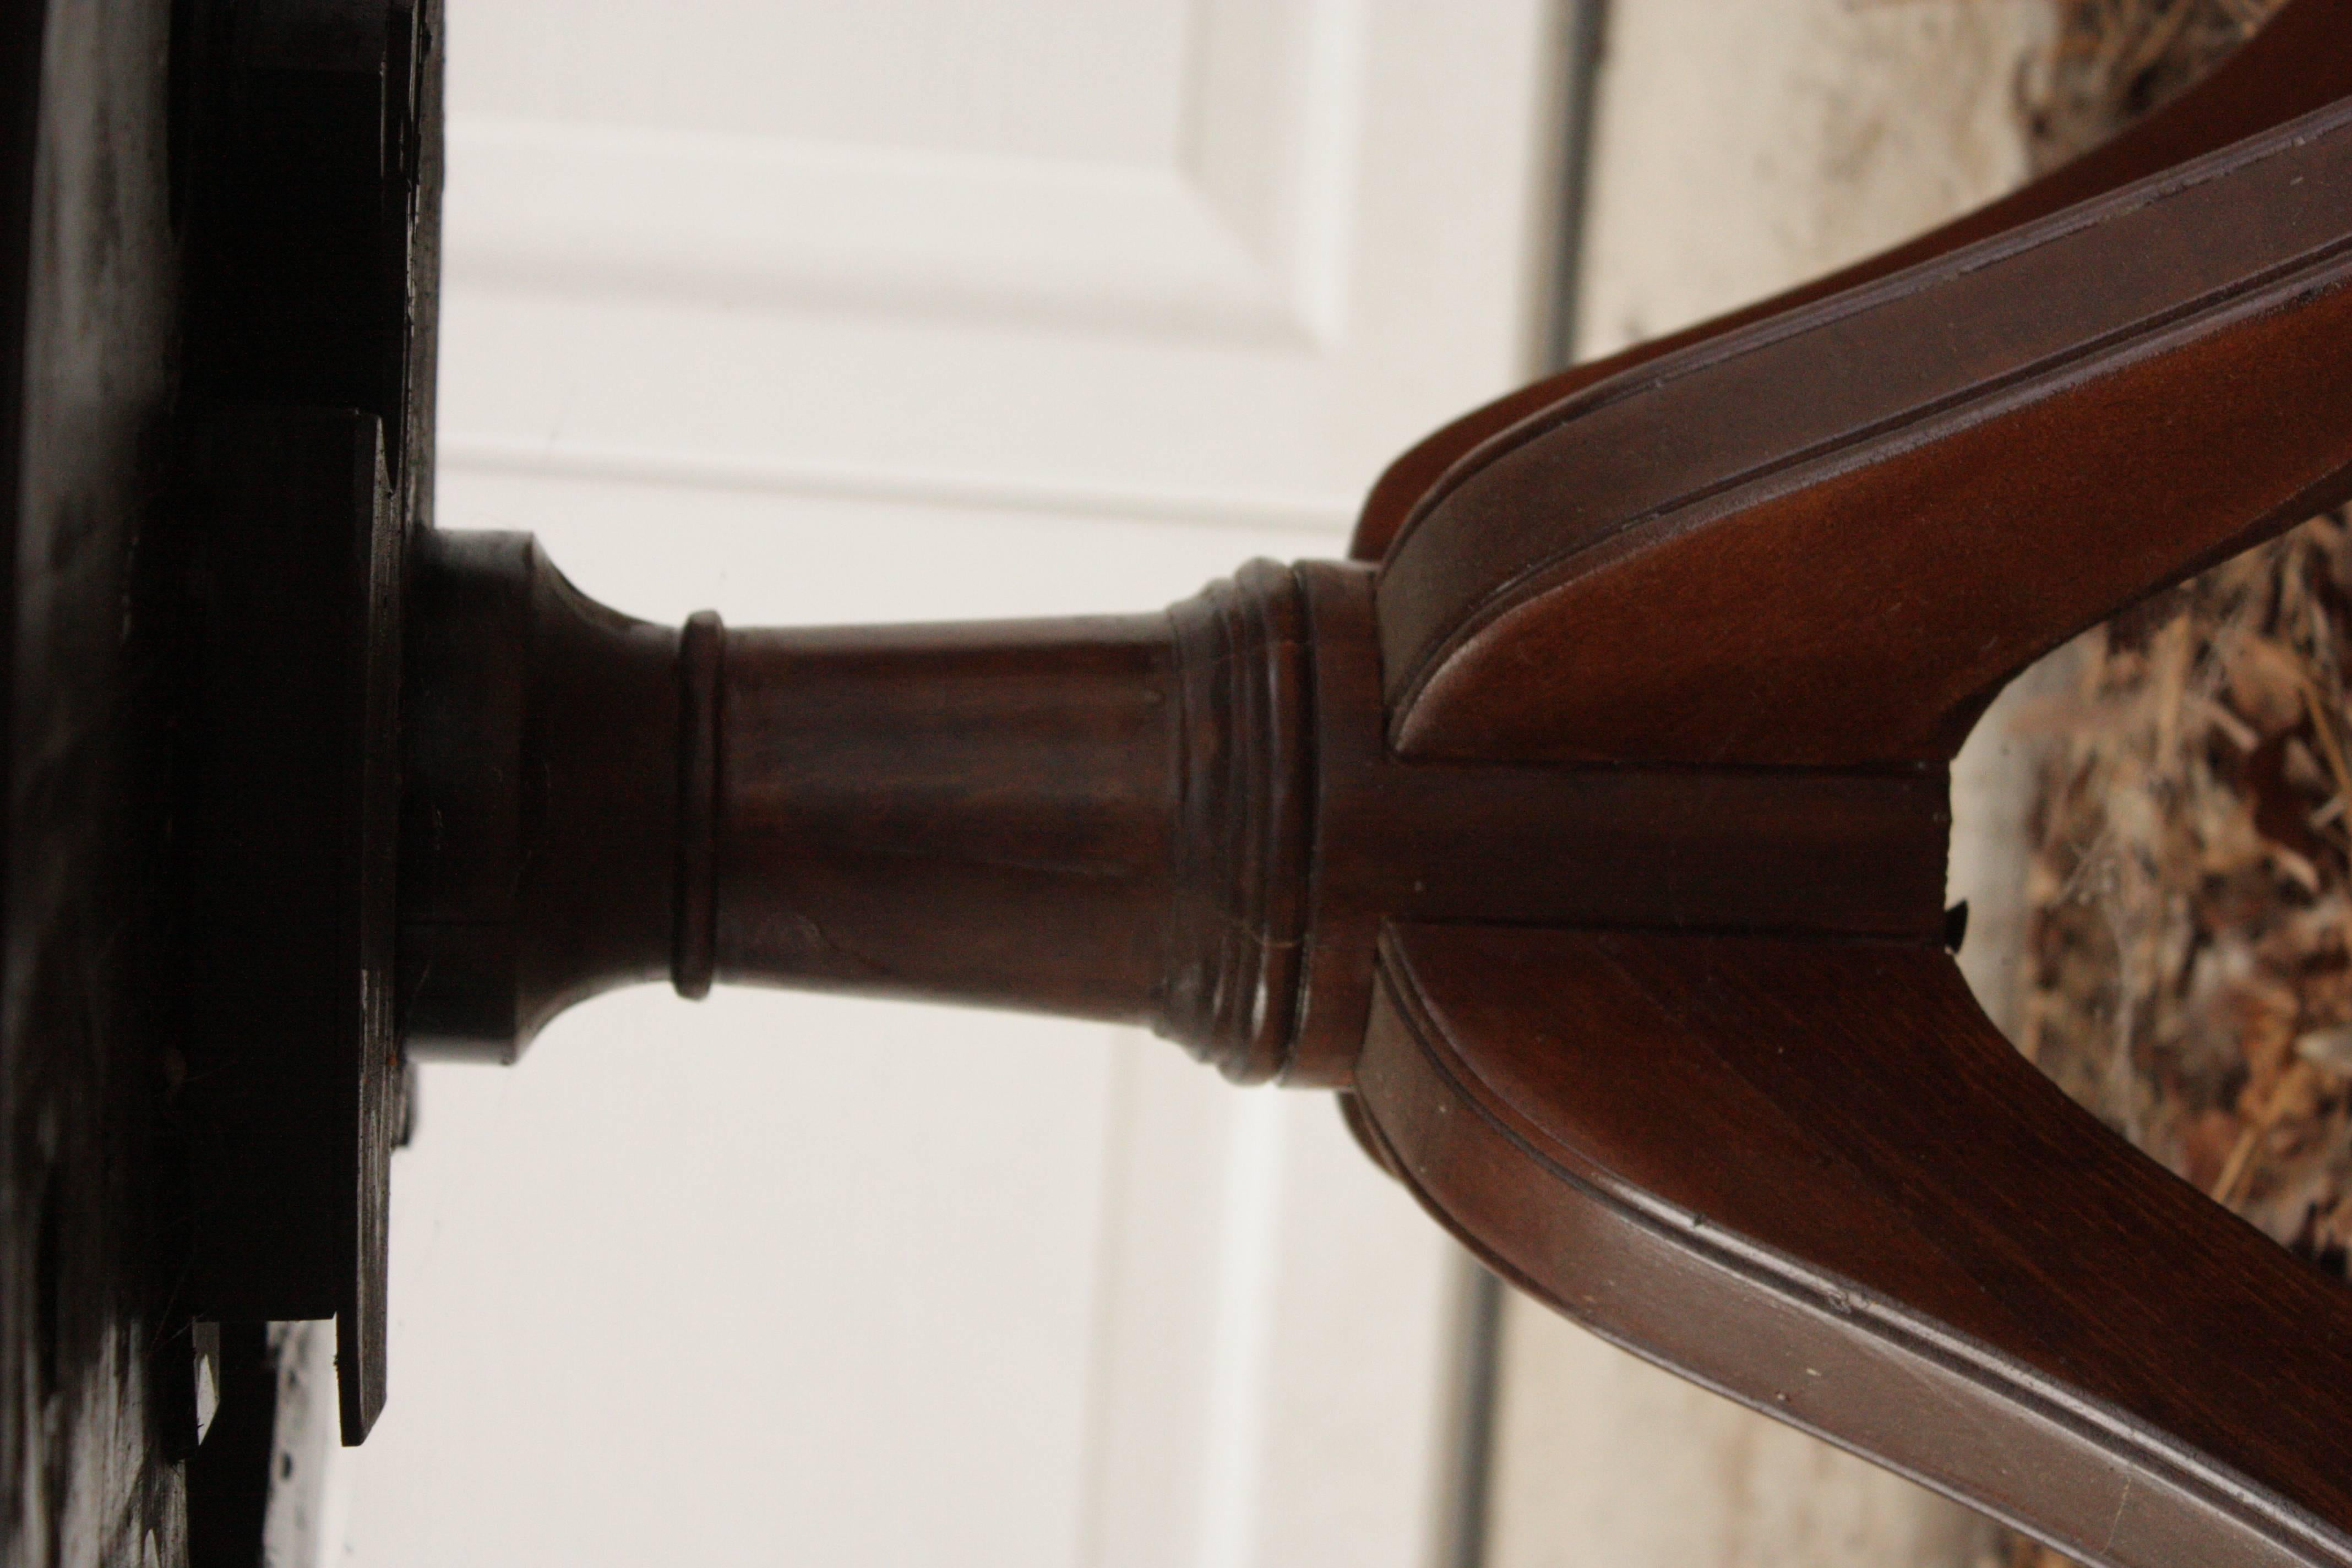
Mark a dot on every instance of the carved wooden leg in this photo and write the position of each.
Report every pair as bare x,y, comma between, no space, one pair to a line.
1812,1176
2301,60
1811,1173
1826,539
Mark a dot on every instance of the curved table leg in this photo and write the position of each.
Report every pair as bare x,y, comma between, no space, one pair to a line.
1812,1176
2301,60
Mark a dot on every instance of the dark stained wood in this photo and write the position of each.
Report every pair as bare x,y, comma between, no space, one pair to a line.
1811,1175
1828,538
93,1347
2301,60
1243,783
694,929
540,814
292,1055
980,812
1593,845
1106,817
228,1474
308,175
1182,820
1853,852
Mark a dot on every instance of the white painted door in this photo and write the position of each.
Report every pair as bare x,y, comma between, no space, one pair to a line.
899,310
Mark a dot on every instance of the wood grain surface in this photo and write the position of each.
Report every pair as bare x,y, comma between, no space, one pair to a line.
2300,62
1828,538
1593,840
1812,1176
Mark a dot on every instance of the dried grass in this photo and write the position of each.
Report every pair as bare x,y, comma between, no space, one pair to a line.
2191,946
2111,61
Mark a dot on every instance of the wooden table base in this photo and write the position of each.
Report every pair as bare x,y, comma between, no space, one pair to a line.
1587,832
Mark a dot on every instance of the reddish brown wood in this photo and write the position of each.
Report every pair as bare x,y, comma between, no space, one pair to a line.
1812,1176
983,813
1852,852
1594,844
1826,539
1187,820
2301,60
1105,817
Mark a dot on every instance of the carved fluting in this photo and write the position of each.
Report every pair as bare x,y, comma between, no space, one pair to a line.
1245,763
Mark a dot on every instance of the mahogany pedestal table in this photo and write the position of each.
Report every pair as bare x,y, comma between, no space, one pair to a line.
1586,833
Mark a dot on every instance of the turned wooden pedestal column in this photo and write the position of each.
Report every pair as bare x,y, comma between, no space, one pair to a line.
1190,820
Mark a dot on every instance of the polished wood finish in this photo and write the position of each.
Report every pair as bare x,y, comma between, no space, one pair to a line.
1186,820
1587,833
539,815
1812,1176
1104,817
1828,538
980,811
2300,62
1592,844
